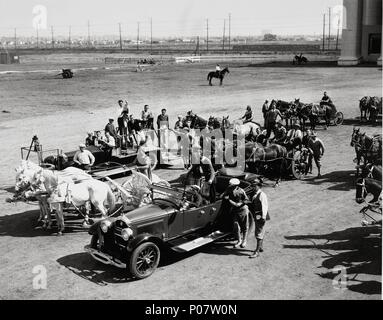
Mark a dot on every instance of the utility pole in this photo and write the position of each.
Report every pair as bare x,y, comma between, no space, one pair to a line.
69,37
207,35
337,34
15,40
329,27
138,34
229,28
223,38
88,33
53,39
119,28
37,35
151,35
324,30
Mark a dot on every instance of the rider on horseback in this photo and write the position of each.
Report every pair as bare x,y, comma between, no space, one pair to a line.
218,69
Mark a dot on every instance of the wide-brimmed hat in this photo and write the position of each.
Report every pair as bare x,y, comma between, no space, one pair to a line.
234,182
81,145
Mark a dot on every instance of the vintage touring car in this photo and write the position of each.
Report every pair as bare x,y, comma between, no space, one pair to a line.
175,218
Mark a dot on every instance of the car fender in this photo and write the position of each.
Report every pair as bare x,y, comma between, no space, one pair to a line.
141,239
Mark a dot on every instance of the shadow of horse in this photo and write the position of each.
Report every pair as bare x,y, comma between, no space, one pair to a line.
25,225
343,180
355,122
358,250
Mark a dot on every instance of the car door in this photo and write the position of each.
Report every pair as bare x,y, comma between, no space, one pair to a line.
197,218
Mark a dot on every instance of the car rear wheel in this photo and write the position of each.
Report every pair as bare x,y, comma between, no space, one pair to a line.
144,260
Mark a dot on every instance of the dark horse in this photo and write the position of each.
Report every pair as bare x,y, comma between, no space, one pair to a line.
371,107
259,157
371,171
217,74
313,113
219,123
196,121
287,109
366,186
300,59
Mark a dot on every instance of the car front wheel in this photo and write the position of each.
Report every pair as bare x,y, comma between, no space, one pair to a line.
144,260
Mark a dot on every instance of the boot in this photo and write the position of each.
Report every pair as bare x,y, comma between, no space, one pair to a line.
257,250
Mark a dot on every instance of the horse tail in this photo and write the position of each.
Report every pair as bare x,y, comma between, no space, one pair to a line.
111,200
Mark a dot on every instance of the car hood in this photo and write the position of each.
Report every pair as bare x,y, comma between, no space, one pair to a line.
145,212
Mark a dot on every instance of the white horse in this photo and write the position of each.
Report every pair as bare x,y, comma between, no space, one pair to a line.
78,194
249,128
23,186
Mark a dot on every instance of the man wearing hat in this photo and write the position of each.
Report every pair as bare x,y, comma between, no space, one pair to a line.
294,136
90,139
316,148
202,167
83,158
238,199
259,210
279,133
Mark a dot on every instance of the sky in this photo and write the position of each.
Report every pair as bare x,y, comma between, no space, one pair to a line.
170,17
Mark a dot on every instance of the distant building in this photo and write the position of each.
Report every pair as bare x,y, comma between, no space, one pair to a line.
362,33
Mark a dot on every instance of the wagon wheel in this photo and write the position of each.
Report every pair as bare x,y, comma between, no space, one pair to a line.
338,118
298,164
138,188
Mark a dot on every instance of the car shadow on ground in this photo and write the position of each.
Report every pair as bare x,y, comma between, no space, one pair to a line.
84,266
356,252
343,180
25,225
355,122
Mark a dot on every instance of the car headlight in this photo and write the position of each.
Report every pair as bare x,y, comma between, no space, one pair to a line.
105,225
126,233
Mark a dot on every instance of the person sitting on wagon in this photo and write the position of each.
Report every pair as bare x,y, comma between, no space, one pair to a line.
202,167
279,133
83,158
326,100
107,145
90,139
147,117
294,137
179,123
111,129
248,116
238,200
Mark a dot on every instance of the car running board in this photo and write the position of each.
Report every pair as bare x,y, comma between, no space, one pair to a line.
198,242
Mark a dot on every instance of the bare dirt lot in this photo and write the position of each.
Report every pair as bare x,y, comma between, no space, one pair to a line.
314,226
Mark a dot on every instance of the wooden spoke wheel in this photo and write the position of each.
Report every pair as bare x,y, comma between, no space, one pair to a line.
338,118
299,164
144,260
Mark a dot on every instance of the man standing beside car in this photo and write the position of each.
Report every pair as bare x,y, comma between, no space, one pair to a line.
237,198
259,211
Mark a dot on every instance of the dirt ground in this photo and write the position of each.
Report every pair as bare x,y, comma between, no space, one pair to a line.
314,227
